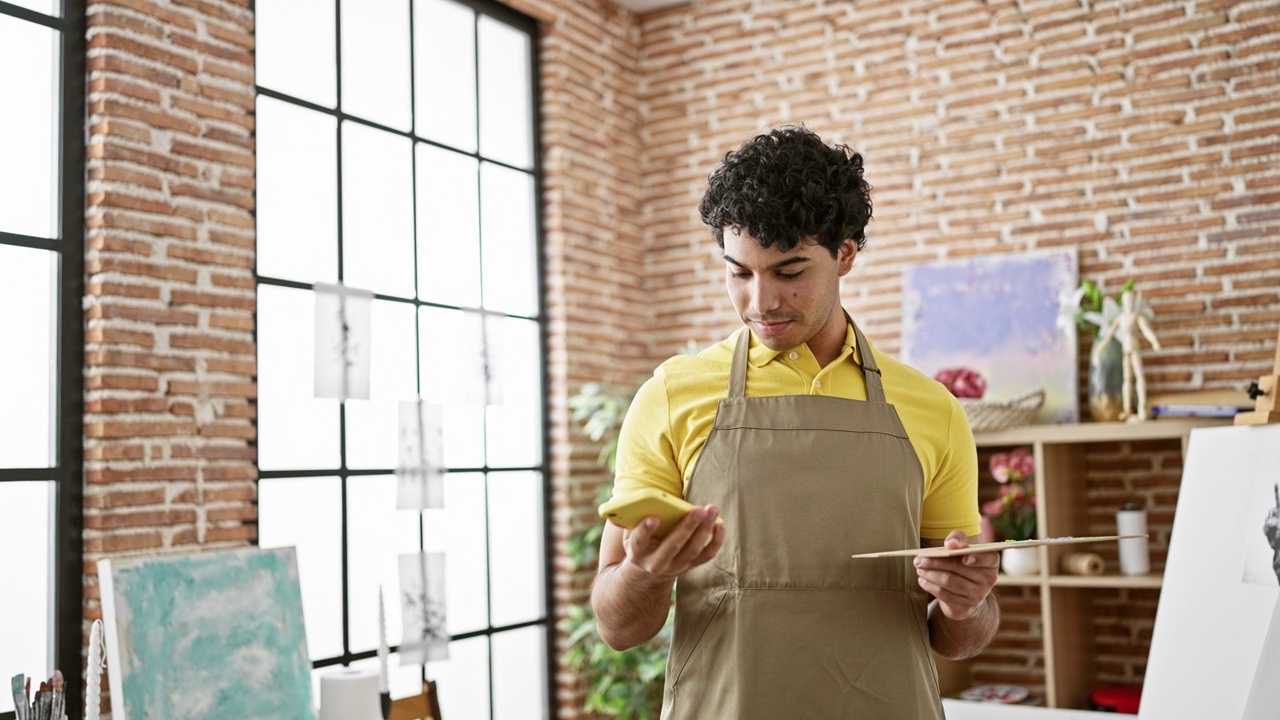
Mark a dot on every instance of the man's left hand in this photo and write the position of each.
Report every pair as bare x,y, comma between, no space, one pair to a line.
960,583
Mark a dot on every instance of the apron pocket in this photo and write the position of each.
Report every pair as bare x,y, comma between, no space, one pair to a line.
695,641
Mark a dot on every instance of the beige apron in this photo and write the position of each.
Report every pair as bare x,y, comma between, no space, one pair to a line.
782,624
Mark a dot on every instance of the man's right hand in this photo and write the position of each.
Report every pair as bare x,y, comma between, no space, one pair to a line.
695,540
632,590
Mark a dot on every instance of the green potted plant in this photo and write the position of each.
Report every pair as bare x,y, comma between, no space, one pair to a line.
624,684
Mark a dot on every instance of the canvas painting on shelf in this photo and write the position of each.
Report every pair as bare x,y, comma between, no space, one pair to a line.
998,315
217,634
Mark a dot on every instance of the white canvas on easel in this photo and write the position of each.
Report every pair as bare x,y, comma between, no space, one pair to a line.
1210,624
1264,696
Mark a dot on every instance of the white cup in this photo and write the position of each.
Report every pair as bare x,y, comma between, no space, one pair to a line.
1135,559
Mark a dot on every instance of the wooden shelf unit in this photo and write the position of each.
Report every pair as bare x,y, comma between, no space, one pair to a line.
1066,608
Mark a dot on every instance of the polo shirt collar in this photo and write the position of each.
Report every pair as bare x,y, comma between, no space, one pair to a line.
760,354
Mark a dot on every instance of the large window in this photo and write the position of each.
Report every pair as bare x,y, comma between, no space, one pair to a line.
41,337
397,154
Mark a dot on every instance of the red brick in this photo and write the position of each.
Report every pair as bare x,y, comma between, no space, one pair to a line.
201,256
213,389
121,381
212,153
117,543
213,300
124,498
150,428
238,533
217,343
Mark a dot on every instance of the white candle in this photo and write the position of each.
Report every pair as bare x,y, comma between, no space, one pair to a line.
93,698
383,685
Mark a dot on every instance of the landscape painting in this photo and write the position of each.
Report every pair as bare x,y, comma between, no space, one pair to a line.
998,315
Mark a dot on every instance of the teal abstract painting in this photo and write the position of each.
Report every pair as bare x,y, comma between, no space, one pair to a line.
212,635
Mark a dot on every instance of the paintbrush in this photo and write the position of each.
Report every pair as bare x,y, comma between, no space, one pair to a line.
57,712
20,704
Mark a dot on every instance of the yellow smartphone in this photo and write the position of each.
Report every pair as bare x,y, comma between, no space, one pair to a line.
628,510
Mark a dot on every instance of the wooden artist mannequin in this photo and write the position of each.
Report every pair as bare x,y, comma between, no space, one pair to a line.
1126,326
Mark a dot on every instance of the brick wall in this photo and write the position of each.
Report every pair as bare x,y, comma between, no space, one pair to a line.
169,353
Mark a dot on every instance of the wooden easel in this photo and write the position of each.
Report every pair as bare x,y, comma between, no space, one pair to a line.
419,707
1266,391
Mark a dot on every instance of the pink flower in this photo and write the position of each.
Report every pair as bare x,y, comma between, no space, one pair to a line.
1022,462
1013,513
1000,467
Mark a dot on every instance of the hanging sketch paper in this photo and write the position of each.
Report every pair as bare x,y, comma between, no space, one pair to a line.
483,386
426,638
220,634
1262,532
344,330
420,470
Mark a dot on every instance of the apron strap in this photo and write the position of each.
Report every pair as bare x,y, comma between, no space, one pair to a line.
870,371
738,370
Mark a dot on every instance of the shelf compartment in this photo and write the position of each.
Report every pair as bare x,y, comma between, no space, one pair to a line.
1136,582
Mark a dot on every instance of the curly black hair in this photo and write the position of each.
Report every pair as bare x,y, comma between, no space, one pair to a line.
787,186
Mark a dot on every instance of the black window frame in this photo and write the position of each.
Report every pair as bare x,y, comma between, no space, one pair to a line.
67,471
530,27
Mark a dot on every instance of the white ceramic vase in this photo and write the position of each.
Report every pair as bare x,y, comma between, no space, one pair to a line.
1020,561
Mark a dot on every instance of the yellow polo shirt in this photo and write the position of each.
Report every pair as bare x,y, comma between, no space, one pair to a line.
673,413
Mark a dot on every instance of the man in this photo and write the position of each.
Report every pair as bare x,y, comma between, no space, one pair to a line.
812,447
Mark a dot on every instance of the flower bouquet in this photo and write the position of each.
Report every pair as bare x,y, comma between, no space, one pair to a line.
1013,514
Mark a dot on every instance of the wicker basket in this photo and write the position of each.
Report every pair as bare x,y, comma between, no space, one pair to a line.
1020,410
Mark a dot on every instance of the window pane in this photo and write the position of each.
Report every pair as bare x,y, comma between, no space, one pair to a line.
519,673
28,126
306,513
463,436
506,107
515,536
25,519
377,210
451,364
297,188
507,237
514,428
27,392
296,430
373,426
448,227
458,530
463,680
377,535
445,35
296,51
375,61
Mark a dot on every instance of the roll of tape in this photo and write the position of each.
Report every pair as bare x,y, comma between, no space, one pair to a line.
1082,564
349,695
